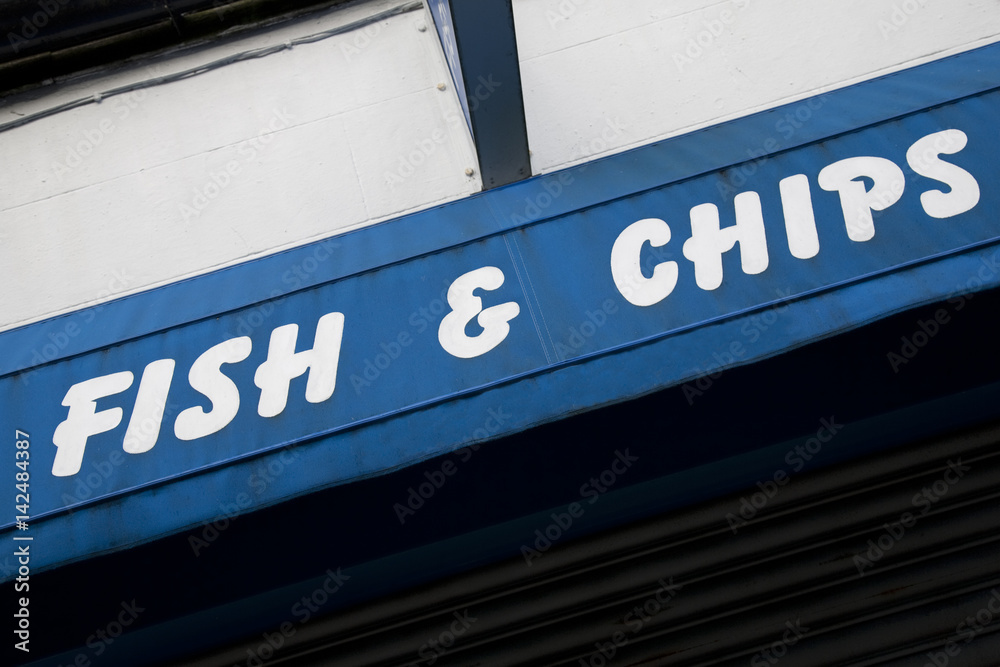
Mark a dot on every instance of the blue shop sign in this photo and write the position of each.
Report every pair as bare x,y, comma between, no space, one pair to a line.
553,295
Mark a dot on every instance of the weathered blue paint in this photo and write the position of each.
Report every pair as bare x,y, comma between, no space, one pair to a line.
576,344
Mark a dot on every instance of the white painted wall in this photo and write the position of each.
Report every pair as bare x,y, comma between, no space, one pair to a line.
313,133
601,76
134,192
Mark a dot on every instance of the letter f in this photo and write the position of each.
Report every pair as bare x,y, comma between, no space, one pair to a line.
83,421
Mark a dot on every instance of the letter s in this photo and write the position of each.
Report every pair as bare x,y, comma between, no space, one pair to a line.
207,378
924,157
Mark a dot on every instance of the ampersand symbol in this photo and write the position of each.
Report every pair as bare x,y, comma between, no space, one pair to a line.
465,306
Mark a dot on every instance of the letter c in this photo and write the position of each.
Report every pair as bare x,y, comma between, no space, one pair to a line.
626,268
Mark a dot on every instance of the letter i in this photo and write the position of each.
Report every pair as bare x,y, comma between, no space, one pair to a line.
800,221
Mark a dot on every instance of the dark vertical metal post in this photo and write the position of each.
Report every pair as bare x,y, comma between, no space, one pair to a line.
479,42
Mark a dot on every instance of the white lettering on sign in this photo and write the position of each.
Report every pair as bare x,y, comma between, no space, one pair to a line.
708,242
705,249
284,364
144,426
800,221
273,377
83,420
465,305
924,158
856,200
206,377
626,268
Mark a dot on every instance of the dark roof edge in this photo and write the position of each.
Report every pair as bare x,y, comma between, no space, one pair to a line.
44,39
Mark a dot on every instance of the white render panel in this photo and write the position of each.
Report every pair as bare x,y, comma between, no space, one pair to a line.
256,156
600,77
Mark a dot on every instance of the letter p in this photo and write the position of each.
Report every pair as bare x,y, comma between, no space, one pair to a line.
856,200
